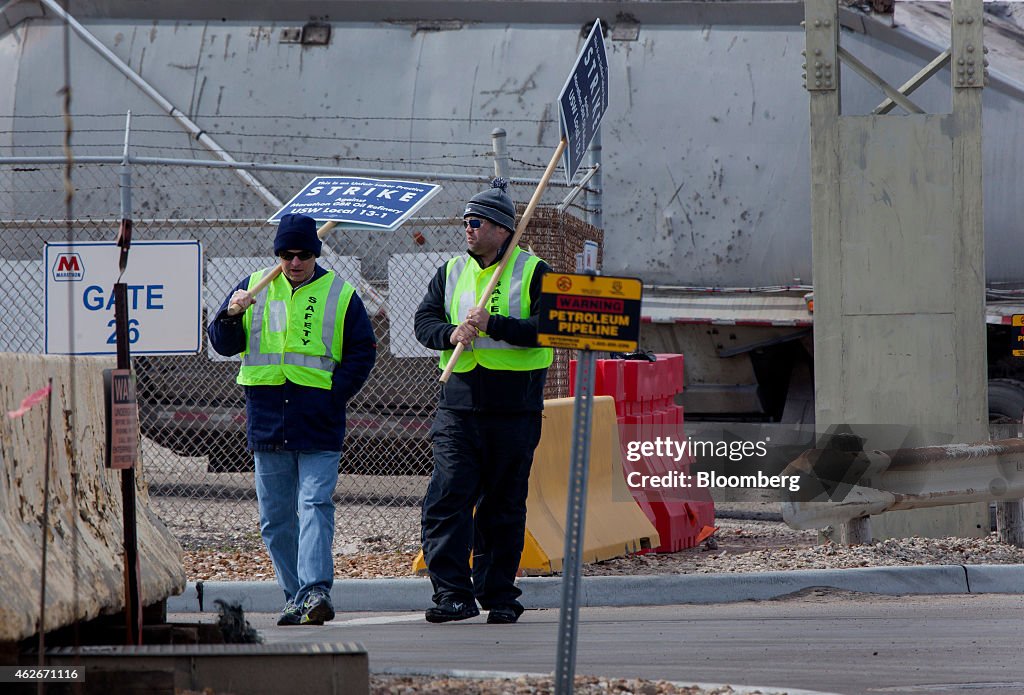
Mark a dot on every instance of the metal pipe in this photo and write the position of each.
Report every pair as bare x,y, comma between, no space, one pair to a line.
185,223
124,173
595,215
500,146
872,77
575,522
932,476
164,104
911,85
578,188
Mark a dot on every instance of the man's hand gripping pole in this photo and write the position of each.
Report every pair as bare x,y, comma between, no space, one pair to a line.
268,278
523,222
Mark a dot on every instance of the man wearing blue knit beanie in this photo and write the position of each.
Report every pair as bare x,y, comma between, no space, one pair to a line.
307,347
488,418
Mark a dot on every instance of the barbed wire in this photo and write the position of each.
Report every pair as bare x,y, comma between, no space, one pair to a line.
441,119
285,137
231,133
277,158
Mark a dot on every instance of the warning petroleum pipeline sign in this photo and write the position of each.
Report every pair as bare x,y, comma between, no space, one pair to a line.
589,312
1018,335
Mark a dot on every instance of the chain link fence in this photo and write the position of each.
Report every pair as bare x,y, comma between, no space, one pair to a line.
191,410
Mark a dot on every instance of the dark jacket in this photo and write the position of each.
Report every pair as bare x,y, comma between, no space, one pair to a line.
301,418
482,389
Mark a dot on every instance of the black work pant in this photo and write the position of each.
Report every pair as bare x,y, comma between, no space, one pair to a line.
481,460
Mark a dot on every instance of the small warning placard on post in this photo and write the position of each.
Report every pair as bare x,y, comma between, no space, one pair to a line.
122,418
1017,321
589,312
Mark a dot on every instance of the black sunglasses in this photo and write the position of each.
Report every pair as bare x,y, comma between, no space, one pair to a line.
475,224
301,255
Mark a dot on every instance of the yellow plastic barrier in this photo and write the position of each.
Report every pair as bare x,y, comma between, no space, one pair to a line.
614,525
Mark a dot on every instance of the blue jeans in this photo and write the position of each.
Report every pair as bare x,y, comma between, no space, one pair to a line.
295,491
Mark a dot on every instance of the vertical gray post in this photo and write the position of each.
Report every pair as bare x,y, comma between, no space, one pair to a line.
124,172
575,516
1010,522
898,263
969,331
133,580
500,147
595,192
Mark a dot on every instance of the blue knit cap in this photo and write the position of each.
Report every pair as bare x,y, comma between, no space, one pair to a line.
494,204
297,232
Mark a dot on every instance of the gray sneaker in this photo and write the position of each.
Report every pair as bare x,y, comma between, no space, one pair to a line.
317,608
290,615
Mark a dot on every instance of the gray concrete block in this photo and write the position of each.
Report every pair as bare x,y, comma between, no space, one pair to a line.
995,579
90,537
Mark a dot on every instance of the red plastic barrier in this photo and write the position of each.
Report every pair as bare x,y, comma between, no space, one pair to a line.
644,394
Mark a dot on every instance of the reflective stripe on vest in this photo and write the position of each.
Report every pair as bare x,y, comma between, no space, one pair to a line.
286,350
464,280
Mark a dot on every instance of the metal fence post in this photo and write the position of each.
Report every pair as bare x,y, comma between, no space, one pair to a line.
500,152
124,172
575,519
595,192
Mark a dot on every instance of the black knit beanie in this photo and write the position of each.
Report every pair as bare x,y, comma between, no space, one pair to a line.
297,232
494,204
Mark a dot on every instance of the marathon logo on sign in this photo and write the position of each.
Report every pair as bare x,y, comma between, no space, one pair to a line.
163,288
68,267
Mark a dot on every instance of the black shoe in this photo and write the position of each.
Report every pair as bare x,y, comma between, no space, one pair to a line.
290,615
503,615
451,609
317,608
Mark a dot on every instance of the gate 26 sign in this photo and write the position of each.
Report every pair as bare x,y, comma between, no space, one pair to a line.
164,281
589,312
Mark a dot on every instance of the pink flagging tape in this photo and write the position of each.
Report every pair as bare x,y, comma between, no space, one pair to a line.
29,401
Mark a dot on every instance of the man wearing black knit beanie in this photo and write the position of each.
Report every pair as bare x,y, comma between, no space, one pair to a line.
307,347
489,415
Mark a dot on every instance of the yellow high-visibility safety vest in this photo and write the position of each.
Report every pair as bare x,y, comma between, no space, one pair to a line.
464,285
295,337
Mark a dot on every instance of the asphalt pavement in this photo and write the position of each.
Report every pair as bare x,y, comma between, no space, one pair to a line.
937,629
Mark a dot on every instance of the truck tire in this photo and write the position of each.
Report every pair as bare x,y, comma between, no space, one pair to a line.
1005,401
228,453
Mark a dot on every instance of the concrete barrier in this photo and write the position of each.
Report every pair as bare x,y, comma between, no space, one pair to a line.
85,542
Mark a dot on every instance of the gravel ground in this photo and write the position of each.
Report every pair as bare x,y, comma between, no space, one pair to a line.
532,685
528,685
739,545
214,516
